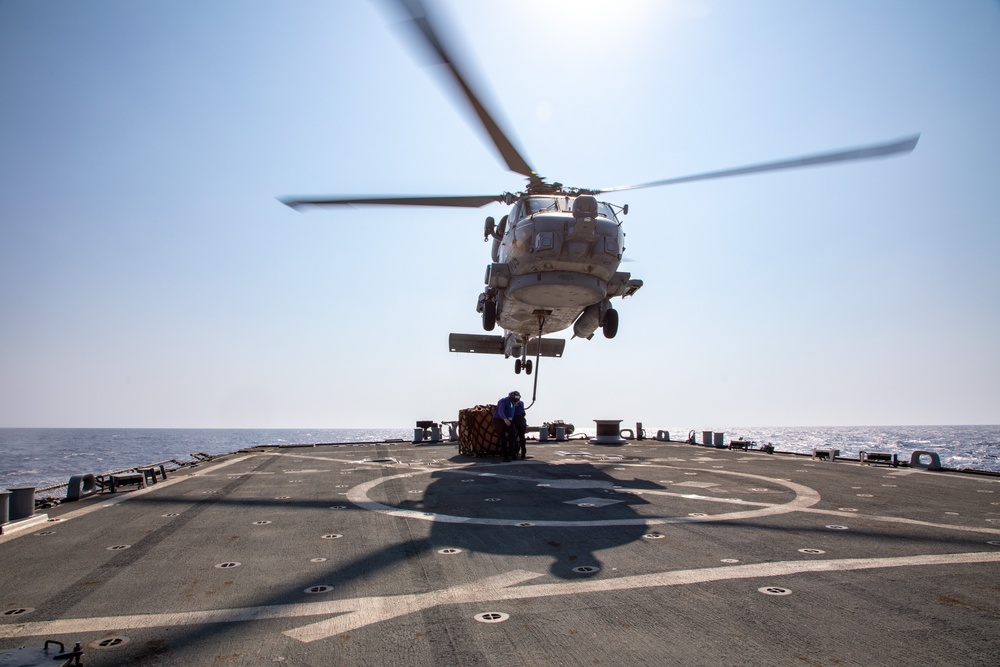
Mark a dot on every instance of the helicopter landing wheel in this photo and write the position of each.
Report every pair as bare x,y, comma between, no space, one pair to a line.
527,367
610,325
489,315
517,366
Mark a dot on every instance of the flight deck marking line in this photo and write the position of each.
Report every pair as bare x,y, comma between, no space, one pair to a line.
111,502
896,519
359,612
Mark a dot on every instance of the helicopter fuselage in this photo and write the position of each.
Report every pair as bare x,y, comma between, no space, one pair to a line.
556,264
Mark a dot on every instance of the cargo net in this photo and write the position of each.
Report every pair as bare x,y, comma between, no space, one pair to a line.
475,432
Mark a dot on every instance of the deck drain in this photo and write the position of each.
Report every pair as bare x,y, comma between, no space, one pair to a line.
282,497
295,481
585,505
315,590
891,486
46,532
583,475
261,523
994,543
17,611
109,642
654,536
492,500
543,485
229,564
759,489
449,551
730,560
836,527
865,495
690,473
774,590
338,507
487,474
415,491
468,480
586,569
332,536
848,509
984,490
170,514
811,551
119,547
209,493
317,560
492,617
697,514
526,524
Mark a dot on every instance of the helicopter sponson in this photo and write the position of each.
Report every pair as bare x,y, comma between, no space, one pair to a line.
555,265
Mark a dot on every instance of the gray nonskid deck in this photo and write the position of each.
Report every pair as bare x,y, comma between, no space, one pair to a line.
644,554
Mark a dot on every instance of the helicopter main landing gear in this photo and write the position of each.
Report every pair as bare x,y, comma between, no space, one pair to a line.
610,324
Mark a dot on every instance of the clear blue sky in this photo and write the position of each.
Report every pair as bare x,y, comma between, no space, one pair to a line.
149,277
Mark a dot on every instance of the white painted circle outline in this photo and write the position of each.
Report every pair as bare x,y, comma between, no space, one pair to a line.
804,497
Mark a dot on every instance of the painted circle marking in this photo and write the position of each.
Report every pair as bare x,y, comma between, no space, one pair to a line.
317,560
491,617
774,590
449,551
803,497
812,551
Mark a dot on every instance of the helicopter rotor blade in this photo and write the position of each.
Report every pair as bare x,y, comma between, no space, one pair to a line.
862,153
422,25
460,201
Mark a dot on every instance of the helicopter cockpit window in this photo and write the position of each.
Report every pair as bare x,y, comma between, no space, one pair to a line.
538,204
605,210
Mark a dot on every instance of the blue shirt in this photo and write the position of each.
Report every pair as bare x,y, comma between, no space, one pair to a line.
505,409
519,409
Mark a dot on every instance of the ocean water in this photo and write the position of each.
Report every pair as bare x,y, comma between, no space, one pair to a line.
46,457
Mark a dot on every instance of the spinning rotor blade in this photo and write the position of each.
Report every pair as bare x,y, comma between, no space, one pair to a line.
462,201
421,24
862,153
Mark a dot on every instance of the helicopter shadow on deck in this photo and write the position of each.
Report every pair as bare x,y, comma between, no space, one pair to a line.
520,498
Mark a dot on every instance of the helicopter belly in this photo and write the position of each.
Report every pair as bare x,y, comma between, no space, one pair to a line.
557,290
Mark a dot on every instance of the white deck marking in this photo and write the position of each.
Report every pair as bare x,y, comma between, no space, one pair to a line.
359,612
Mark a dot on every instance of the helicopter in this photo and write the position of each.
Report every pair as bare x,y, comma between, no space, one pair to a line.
555,256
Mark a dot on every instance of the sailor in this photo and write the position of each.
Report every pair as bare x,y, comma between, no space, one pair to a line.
503,424
520,428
